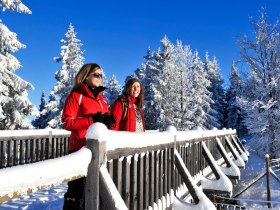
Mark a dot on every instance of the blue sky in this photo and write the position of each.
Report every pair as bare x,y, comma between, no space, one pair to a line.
116,34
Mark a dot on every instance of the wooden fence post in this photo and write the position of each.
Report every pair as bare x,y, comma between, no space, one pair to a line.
268,181
98,149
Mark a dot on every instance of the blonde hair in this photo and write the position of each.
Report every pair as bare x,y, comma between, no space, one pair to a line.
83,73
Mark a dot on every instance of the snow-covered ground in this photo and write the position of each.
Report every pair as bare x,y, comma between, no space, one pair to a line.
253,197
52,199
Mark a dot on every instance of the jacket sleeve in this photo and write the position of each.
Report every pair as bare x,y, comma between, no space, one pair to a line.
70,119
116,111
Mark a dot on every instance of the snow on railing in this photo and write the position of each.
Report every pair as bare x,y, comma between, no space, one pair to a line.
237,159
222,183
19,180
201,200
231,170
242,154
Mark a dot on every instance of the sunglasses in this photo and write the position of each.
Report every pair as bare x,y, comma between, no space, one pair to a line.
97,75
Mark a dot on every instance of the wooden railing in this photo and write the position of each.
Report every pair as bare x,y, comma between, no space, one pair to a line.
145,176
139,170
29,146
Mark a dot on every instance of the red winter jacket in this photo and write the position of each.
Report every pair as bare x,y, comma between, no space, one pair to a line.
129,122
76,113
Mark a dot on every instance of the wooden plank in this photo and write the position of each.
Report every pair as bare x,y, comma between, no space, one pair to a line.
231,149
164,178
48,150
22,152
115,172
98,149
110,197
161,174
16,152
110,167
126,163
223,155
116,153
57,146
165,174
27,151
186,178
146,181
236,146
193,158
156,176
32,150
133,199
43,149
140,179
38,149
61,146
65,145
199,157
207,158
10,154
152,178
117,176
3,154
53,148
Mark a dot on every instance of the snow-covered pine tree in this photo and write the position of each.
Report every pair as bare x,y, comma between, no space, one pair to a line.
200,97
261,101
183,63
146,74
217,91
37,123
14,103
158,88
72,60
48,113
14,6
234,116
113,91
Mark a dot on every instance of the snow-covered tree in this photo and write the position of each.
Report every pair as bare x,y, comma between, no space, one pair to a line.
234,116
37,123
49,112
181,80
113,91
72,60
261,100
14,103
159,68
217,91
14,6
200,97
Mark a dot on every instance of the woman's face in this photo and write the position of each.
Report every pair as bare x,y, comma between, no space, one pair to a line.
135,89
94,78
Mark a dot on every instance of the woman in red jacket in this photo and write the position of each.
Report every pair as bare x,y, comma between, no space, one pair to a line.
84,106
127,109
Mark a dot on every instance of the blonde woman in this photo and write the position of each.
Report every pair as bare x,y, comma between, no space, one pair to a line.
84,106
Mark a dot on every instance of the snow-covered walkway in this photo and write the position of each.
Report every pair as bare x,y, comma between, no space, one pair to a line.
51,199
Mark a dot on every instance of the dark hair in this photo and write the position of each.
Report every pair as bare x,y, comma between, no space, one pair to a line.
125,93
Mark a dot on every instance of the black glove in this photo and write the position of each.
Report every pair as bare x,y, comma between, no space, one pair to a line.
97,117
109,120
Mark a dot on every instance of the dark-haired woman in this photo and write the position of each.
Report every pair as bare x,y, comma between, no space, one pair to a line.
127,109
